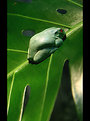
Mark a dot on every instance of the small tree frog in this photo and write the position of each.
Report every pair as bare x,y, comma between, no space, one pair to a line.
43,44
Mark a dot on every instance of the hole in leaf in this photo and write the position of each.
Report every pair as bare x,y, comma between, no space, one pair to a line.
24,1
28,33
62,11
27,94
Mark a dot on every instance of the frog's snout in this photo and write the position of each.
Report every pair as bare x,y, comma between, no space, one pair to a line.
64,37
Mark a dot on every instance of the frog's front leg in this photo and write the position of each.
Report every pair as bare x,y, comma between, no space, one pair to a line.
58,42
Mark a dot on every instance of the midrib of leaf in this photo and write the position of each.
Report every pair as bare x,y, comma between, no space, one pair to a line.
75,3
18,68
74,28
37,19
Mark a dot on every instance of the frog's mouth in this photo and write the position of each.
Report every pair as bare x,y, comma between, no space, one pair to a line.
64,37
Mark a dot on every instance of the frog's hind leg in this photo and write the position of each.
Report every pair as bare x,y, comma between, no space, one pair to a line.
53,50
41,55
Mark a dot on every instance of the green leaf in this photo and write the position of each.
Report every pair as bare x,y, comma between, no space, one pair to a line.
44,78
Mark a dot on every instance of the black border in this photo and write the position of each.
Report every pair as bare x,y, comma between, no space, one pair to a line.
3,60
86,54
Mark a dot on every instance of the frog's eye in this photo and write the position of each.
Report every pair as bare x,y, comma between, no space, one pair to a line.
61,30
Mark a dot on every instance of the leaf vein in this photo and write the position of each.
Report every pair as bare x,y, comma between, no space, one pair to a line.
46,85
14,50
37,19
75,3
8,105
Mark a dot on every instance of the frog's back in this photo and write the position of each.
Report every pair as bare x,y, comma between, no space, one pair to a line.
42,39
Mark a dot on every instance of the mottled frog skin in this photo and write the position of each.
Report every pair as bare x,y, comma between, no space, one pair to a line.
43,44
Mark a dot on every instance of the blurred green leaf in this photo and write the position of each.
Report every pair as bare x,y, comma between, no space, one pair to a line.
44,79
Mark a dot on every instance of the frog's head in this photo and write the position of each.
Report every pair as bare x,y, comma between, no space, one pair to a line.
60,33
60,36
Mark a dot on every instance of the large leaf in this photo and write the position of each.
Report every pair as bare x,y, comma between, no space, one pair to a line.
44,78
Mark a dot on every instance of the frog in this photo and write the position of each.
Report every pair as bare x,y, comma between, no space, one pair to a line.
44,43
